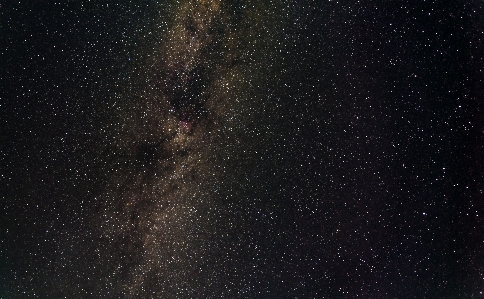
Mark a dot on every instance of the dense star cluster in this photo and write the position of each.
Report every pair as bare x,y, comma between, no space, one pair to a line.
242,149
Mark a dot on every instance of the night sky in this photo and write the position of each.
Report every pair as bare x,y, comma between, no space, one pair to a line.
242,149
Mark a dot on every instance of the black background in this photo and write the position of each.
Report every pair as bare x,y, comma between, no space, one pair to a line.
374,185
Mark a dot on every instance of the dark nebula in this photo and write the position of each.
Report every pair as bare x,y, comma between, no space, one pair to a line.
242,149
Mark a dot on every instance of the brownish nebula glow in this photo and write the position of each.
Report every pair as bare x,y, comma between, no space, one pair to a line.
177,137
